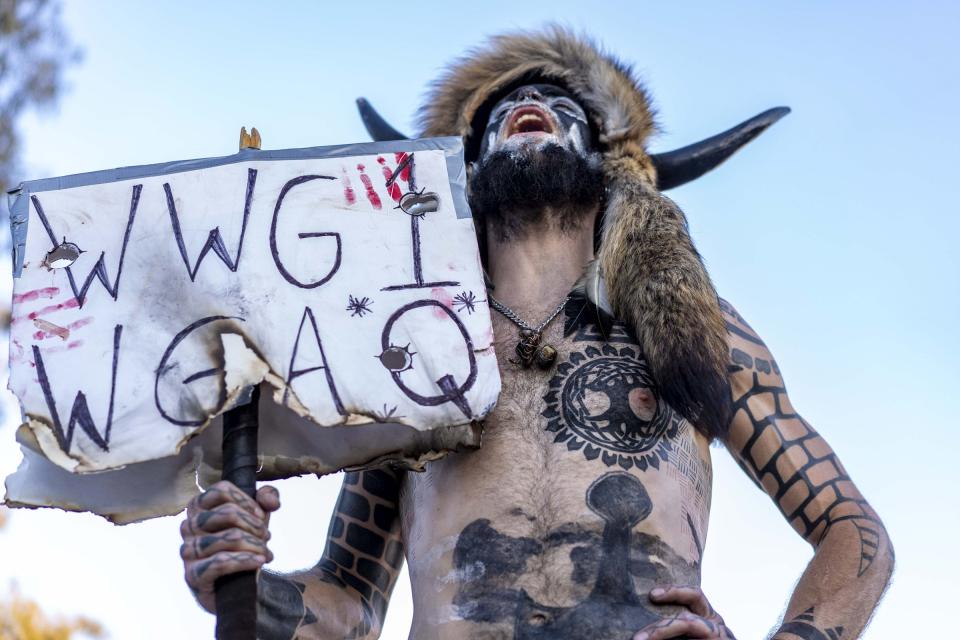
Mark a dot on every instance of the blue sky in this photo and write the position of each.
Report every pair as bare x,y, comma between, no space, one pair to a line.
833,234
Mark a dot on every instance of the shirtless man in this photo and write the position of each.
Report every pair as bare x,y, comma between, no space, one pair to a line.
584,514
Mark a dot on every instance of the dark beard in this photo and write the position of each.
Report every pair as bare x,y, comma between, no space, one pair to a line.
514,190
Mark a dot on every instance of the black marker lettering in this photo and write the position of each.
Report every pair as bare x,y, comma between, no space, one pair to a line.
80,412
273,237
296,373
451,392
99,269
164,367
415,243
214,239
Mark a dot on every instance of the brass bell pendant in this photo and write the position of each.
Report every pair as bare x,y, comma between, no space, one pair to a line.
529,350
546,356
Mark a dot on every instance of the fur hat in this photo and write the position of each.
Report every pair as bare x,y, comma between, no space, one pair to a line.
647,266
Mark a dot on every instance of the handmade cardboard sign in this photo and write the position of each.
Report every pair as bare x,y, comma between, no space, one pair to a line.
148,300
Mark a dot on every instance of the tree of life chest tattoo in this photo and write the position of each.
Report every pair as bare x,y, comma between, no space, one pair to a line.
490,563
603,401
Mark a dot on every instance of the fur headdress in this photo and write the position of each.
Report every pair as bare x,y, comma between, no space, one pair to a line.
648,273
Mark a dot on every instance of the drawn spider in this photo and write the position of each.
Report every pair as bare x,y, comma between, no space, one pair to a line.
465,300
358,307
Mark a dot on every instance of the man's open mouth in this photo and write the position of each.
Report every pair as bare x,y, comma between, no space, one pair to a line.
530,120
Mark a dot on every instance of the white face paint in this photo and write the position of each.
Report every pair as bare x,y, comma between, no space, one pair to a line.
576,140
535,115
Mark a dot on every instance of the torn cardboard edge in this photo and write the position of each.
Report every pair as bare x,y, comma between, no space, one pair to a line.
163,487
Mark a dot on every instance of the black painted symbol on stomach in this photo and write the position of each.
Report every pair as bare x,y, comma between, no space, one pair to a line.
490,566
604,403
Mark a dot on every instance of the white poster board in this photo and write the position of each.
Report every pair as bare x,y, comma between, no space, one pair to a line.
365,322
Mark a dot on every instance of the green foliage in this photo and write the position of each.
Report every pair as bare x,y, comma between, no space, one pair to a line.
34,51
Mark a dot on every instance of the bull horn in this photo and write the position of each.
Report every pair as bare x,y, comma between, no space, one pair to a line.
680,166
377,127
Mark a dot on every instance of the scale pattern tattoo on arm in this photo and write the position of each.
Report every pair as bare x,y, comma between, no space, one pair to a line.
363,556
784,455
364,547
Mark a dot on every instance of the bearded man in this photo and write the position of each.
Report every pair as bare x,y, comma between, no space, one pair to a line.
584,514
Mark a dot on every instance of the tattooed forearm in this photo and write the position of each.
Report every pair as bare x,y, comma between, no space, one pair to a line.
803,627
345,595
280,607
783,454
364,550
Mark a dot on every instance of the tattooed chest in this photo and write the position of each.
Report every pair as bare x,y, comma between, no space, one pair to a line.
598,410
615,488
603,402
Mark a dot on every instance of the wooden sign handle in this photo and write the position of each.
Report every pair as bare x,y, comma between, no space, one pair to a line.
236,594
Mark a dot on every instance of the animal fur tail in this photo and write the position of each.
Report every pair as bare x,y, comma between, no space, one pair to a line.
657,284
